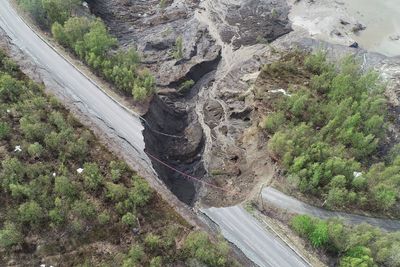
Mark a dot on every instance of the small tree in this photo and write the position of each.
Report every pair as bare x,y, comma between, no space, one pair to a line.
140,193
115,192
303,225
135,255
129,219
30,212
64,187
5,130
10,236
178,52
152,241
92,177
319,237
156,262
35,150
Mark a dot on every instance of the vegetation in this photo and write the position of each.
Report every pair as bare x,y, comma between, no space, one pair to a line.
178,52
186,86
47,12
63,183
89,39
326,133
361,246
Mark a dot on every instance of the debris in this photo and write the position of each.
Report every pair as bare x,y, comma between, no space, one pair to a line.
281,91
54,174
80,170
17,149
358,27
343,22
357,174
354,45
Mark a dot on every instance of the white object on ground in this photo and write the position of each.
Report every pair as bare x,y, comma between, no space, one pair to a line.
80,170
17,149
281,91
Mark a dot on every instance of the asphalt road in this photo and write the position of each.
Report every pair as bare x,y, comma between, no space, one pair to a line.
250,236
81,90
237,225
282,201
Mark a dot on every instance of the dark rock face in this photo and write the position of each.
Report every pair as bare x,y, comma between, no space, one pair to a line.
256,20
174,137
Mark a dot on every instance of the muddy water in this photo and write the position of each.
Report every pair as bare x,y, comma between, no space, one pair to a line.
333,21
382,18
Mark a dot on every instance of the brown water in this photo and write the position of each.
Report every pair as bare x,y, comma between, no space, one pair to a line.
382,18
322,19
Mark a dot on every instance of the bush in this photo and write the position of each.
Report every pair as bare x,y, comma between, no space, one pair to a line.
115,192
273,122
152,241
84,209
136,253
104,218
10,236
31,213
185,86
35,150
12,172
303,225
129,219
64,187
319,236
156,262
140,193
4,130
92,177
198,246
178,51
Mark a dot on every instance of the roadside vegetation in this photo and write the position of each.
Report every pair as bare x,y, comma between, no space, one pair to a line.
356,246
88,38
328,129
64,194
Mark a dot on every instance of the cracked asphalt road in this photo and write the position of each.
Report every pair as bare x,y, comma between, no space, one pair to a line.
282,201
78,87
250,236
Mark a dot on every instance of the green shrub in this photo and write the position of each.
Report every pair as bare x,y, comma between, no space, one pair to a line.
10,236
152,241
273,122
116,192
303,225
31,213
129,219
185,86
92,177
198,246
178,50
5,130
84,209
104,218
35,150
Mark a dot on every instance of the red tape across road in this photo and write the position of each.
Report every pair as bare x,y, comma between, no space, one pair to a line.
185,174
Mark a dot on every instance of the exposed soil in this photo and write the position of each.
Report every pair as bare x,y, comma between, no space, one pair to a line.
201,132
